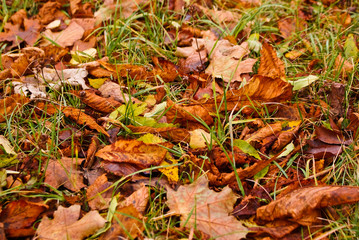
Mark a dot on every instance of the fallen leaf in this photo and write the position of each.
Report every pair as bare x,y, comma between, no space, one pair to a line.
133,152
66,37
343,66
126,224
26,30
258,89
187,115
10,105
206,210
331,137
350,48
139,200
83,119
19,216
270,65
226,61
51,11
303,82
200,139
65,172
66,225
91,99
99,194
302,205
286,27
111,89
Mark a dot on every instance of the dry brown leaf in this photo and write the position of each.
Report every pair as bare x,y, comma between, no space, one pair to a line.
80,10
206,210
172,133
286,27
64,172
51,11
101,104
66,225
99,194
138,199
11,104
343,66
271,66
226,61
66,37
114,90
186,115
258,89
19,216
83,119
331,137
268,130
22,29
126,224
133,152
302,205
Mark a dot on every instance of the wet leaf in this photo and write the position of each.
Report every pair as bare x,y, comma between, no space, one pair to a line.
206,210
66,225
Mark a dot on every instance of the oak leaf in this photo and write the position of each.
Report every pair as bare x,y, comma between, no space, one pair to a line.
66,225
207,210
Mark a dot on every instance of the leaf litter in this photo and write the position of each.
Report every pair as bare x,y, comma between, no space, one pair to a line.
212,135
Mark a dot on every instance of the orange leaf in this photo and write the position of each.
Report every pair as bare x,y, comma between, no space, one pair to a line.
101,104
300,205
271,66
10,105
133,152
83,119
19,216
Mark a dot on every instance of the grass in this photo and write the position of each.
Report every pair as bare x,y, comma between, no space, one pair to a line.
136,40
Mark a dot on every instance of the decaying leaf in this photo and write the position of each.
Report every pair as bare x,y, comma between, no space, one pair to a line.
206,210
64,172
83,119
11,104
91,99
66,225
226,61
302,205
126,224
270,66
99,194
133,152
19,216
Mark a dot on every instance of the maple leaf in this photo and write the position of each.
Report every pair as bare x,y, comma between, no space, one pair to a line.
207,210
66,225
